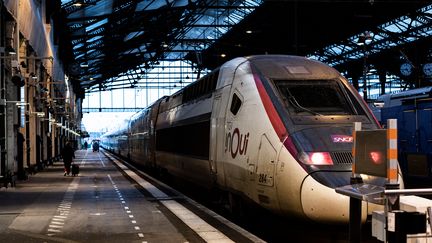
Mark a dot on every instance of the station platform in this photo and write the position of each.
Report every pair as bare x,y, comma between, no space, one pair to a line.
102,204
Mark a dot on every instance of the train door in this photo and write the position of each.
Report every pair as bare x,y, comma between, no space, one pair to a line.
266,162
425,131
215,139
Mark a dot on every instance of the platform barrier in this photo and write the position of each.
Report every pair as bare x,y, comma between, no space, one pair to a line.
404,215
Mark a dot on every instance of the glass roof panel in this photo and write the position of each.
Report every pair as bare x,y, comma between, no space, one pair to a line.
133,35
149,5
94,38
382,40
102,28
78,46
96,24
100,8
181,3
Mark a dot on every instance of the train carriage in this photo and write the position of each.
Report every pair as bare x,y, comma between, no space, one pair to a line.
271,129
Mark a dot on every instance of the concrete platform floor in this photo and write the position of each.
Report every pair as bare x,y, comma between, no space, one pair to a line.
98,205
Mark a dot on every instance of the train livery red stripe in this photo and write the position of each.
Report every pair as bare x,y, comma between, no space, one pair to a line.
270,109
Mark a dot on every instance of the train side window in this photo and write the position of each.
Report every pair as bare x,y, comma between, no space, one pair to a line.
235,104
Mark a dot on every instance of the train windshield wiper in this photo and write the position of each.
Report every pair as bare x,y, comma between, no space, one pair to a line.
298,107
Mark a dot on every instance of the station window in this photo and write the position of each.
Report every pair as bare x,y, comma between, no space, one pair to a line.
235,104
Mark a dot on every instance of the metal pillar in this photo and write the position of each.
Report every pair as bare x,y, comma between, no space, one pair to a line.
355,218
2,96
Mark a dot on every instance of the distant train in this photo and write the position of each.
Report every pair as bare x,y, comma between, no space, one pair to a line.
413,111
274,130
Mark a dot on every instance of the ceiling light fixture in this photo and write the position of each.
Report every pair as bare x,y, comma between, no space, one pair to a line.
10,50
82,3
365,38
33,76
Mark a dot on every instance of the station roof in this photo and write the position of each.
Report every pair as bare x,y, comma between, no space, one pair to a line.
109,37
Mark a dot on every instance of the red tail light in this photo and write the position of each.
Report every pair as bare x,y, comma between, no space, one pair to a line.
320,158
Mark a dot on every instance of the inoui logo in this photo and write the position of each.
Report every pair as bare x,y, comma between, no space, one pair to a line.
236,143
341,139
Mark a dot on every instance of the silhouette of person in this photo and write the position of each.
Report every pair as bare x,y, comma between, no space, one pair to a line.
68,154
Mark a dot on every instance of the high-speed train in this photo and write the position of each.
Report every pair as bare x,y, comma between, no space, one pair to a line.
275,130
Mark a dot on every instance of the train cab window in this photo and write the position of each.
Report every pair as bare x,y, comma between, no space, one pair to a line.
235,104
315,97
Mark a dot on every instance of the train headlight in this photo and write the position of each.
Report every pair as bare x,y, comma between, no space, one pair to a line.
316,158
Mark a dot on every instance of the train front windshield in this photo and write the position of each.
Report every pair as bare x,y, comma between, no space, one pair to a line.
317,97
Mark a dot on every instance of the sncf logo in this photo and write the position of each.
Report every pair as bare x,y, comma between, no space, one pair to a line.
341,139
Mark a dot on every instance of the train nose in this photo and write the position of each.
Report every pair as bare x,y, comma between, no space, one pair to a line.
331,206
322,204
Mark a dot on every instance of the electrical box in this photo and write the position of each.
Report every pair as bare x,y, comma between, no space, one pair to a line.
417,204
378,225
401,223
14,64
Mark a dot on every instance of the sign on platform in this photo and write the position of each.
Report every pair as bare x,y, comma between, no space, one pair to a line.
371,152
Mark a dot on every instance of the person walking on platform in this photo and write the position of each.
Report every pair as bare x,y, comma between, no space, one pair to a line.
68,154
85,145
95,146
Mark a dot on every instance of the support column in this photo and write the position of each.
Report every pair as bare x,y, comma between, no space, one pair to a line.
355,204
2,94
355,82
10,93
382,79
355,76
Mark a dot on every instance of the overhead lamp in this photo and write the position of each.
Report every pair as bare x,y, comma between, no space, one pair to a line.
364,38
248,31
82,3
371,71
361,40
20,103
84,65
33,76
10,50
223,55
40,114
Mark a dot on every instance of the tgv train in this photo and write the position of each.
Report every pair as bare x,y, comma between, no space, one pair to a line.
275,130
